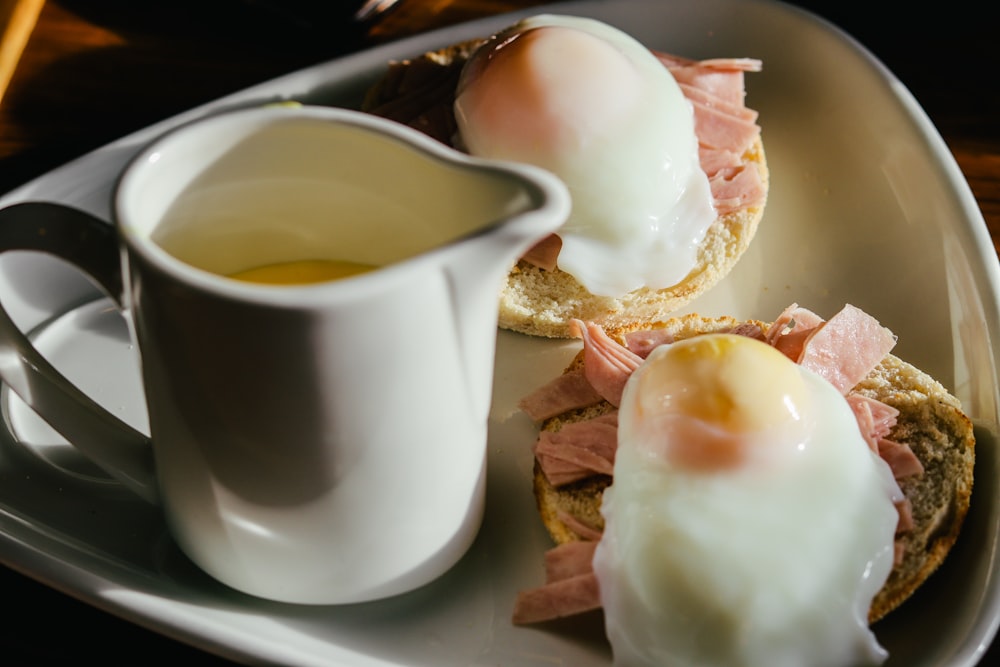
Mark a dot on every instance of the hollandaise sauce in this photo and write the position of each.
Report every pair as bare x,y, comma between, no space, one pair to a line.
302,272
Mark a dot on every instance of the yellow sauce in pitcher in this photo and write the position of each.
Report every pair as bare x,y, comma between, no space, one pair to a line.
301,272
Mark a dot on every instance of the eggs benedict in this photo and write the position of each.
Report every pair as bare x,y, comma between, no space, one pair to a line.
706,481
664,161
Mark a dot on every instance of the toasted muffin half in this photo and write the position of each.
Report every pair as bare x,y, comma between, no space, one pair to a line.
931,422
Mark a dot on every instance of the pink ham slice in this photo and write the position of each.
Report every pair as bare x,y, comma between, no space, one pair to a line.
718,161
900,458
578,450
725,127
748,329
559,599
703,98
735,190
570,586
544,253
568,391
565,467
844,350
606,364
569,560
875,418
789,332
720,77
847,347
718,129
644,342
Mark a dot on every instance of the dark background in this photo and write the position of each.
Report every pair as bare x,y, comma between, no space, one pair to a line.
181,53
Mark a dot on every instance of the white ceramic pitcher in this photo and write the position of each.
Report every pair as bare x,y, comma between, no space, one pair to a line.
320,443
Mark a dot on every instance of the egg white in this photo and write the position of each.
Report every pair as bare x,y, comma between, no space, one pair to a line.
769,562
594,106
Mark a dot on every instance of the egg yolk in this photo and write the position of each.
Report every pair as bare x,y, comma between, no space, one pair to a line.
717,402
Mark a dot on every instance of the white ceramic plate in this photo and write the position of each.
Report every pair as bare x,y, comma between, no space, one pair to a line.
867,206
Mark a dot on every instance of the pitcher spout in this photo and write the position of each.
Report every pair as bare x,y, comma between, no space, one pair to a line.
477,267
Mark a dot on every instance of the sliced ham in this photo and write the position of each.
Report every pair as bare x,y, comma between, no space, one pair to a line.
717,160
570,586
901,459
578,450
545,253
722,78
847,347
569,559
717,129
737,189
726,85
568,391
789,332
748,329
702,97
565,468
725,127
607,364
875,418
559,599
644,342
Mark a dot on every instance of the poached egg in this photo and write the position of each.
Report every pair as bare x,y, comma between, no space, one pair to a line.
594,106
749,524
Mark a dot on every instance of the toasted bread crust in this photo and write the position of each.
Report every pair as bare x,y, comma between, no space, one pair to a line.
420,92
931,422
536,301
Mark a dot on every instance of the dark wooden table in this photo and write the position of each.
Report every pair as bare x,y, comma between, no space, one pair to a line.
94,70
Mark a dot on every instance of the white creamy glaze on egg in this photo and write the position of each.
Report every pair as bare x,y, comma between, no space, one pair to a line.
594,106
749,524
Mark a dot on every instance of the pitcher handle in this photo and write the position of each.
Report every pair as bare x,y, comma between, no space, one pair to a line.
91,245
